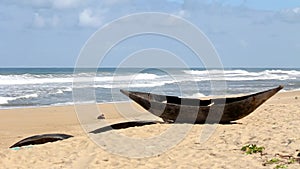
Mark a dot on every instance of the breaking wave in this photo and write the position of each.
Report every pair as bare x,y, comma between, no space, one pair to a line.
27,87
243,75
5,100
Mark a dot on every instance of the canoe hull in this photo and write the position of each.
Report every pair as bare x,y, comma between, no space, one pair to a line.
223,110
41,139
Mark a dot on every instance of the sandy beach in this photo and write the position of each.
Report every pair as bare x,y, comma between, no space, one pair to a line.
274,125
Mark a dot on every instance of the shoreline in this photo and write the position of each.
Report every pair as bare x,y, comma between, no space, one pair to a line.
60,105
116,102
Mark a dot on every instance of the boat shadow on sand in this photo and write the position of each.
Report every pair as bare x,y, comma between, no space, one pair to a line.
129,124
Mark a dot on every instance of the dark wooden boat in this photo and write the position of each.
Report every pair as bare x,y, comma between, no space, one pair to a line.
187,110
41,139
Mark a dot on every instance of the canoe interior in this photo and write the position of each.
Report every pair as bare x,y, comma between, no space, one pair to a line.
191,101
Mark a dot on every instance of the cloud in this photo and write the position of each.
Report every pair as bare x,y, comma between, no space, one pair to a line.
87,18
296,10
290,15
56,4
39,21
44,22
183,13
65,3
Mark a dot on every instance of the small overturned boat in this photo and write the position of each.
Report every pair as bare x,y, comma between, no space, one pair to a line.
189,110
41,139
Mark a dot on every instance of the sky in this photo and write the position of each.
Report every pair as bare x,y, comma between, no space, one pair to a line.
245,33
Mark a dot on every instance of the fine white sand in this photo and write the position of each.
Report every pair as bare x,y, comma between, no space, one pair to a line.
275,125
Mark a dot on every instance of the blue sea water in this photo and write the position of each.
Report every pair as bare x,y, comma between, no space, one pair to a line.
24,87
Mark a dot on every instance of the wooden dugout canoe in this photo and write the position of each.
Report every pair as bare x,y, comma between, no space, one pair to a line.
187,110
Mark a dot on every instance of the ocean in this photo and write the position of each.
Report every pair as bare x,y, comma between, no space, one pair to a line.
35,87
